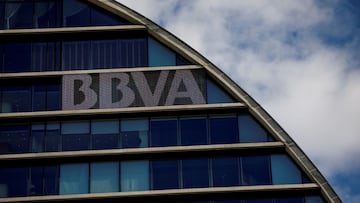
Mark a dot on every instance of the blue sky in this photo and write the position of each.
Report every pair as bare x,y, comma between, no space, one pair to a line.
298,59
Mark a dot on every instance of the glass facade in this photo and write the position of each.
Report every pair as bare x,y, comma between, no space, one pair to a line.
77,135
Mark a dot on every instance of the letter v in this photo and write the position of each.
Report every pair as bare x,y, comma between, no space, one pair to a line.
149,98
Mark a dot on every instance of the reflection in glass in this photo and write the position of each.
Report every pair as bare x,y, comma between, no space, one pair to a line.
75,135
255,170
225,171
284,171
250,131
135,176
74,178
105,134
134,133
223,130
104,177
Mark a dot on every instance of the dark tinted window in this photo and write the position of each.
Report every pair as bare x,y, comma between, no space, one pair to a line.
195,173
223,130
165,174
15,51
251,131
193,131
163,133
13,180
36,181
225,171
75,135
14,139
256,170
51,180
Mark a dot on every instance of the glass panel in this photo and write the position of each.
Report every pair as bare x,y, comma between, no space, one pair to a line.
14,139
75,135
76,13
165,174
74,178
223,130
104,177
39,98
53,97
195,173
216,94
13,182
258,201
51,180
36,181
52,137
2,19
14,51
193,131
76,55
101,17
284,171
250,131
105,134
163,133
105,53
45,14
43,56
37,138
287,200
160,55
134,133
133,53
225,171
134,176
16,99
19,14
314,199
255,170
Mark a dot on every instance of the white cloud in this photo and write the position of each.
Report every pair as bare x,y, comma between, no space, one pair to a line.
275,51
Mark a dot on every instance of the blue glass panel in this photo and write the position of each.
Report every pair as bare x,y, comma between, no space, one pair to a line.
36,181
76,13
160,55
53,97
224,130
250,130
105,53
216,94
133,53
134,176
51,180
39,98
74,178
314,199
256,170
52,137
14,139
16,99
76,55
19,14
165,174
37,138
75,135
163,133
104,177
17,57
43,56
284,171
134,133
101,17
258,201
228,201
13,182
195,173
193,131
287,200
105,134
225,171
180,61
2,19
45,14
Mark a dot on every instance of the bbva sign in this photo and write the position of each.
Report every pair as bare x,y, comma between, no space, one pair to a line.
117,90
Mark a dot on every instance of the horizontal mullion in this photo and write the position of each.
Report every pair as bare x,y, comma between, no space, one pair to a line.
237,191
122,111
93,71
22,32
145,152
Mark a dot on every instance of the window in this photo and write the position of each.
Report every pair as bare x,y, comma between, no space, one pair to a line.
292,200
16,99
255,170
76,55
225,171
134,133
250,131
284,171
74,178
195,173
215,94
314,199
36,181
105,134
75,135
163,132
13,182
52,137
12,53
165,174
37,137
76,13
193,131
18,15
104,177
159,55
51,180
258,201
14,139
223,130
134,176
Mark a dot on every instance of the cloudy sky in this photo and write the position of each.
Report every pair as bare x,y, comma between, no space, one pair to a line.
298,59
